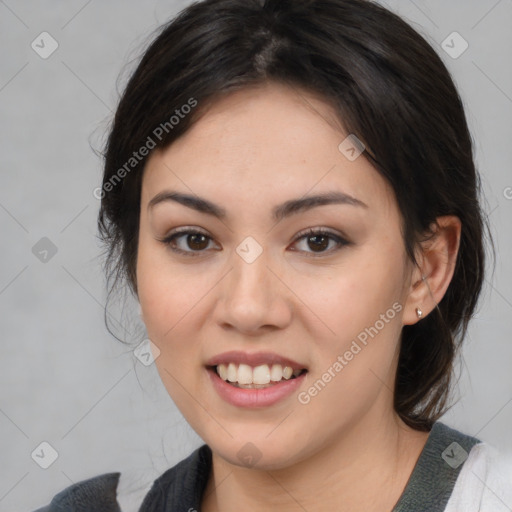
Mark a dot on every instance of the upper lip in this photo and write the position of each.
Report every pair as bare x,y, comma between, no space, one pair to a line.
253,359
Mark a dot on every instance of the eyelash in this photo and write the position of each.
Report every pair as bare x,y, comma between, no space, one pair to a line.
168,240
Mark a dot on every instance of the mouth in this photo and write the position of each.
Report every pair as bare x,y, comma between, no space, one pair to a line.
262,376
254,380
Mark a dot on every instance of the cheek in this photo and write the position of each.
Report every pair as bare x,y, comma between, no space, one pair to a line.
170,300
360,308
168,293
350,297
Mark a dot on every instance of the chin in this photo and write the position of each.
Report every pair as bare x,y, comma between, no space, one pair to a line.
258,452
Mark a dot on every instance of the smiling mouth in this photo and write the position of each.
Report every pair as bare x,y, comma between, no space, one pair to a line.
262,376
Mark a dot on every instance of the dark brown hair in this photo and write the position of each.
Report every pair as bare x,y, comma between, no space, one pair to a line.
389,88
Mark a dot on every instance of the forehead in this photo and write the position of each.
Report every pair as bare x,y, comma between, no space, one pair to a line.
264,144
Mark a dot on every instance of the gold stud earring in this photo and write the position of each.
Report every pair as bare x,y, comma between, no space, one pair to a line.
419,312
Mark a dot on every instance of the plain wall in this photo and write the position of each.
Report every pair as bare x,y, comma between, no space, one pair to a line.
64,379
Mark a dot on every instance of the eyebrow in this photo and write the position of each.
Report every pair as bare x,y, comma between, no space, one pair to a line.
282,211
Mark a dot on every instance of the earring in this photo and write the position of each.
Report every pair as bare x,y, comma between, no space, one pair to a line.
419,312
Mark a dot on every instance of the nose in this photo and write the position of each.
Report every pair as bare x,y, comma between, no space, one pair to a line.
253,297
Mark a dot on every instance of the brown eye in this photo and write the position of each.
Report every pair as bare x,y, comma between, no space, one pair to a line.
318,241
187,241
197,241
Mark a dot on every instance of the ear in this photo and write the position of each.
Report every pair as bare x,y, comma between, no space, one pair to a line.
436,258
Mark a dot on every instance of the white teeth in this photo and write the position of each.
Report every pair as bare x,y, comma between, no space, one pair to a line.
222,370
260,375
232,372
276,373
287,372
244,374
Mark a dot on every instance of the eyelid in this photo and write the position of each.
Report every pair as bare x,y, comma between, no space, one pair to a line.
316,231
181,231
339,238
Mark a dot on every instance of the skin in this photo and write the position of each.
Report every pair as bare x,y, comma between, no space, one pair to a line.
256,148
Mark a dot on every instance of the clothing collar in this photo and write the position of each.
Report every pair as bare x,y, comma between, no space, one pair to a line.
428,489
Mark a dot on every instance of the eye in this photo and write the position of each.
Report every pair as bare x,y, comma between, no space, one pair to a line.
192,242
182,240
319,240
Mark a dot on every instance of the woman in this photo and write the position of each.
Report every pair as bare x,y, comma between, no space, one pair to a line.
290,194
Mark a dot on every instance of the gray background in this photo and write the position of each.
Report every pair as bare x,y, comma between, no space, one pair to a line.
64,379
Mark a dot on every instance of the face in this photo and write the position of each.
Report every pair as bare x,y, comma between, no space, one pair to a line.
257,281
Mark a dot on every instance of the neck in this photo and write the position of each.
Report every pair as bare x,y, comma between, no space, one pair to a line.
367,468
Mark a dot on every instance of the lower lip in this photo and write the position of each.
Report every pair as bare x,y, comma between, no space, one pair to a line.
254,398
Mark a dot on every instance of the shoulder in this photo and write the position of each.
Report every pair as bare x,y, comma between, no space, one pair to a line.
97,493
182,485
446,471
125,491
484,483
